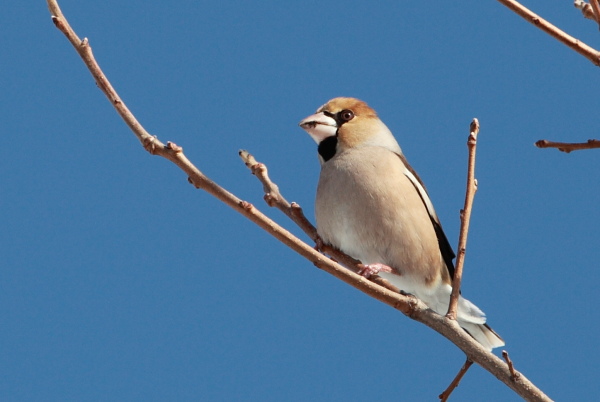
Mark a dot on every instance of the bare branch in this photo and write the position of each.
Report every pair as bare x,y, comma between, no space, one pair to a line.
465,218
408,305
463,370
514,373
587,51
568,146
591,11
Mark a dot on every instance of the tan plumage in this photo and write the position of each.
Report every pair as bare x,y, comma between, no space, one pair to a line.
372,205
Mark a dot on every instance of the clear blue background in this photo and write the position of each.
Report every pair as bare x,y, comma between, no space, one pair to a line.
120,281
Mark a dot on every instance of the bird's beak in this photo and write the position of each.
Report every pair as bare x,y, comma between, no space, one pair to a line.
319,126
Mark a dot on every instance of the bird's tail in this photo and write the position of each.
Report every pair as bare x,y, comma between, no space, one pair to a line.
472,320
483,334
468,316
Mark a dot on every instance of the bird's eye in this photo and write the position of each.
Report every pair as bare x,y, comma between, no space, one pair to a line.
346,115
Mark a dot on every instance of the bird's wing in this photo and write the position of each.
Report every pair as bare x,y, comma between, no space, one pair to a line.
445,247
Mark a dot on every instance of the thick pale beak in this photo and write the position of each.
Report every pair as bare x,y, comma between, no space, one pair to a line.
319,126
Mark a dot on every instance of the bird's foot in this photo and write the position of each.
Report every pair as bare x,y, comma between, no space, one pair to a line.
372,269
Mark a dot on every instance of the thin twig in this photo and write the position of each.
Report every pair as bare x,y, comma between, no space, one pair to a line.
463,370
409,306
568,146
587,51
465,218
273,197
85,51
513,373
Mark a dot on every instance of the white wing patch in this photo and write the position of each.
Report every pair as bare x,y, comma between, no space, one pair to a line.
423,194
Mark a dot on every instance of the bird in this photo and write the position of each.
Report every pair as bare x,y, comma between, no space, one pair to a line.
372,205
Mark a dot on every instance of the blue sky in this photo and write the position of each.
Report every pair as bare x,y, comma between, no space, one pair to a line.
119,281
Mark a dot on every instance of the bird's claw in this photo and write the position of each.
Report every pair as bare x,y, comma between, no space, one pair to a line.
367,270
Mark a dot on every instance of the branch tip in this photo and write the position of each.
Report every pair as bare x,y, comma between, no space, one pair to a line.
247,157
514,374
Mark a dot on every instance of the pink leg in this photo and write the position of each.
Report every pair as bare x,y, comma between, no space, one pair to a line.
373,269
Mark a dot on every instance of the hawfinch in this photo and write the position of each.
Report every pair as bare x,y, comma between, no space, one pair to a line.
372,205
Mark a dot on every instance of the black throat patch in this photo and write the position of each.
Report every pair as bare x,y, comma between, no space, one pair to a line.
327,147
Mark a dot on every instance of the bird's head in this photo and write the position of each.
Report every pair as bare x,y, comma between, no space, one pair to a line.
345,123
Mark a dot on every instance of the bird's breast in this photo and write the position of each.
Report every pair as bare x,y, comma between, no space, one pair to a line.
369,209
